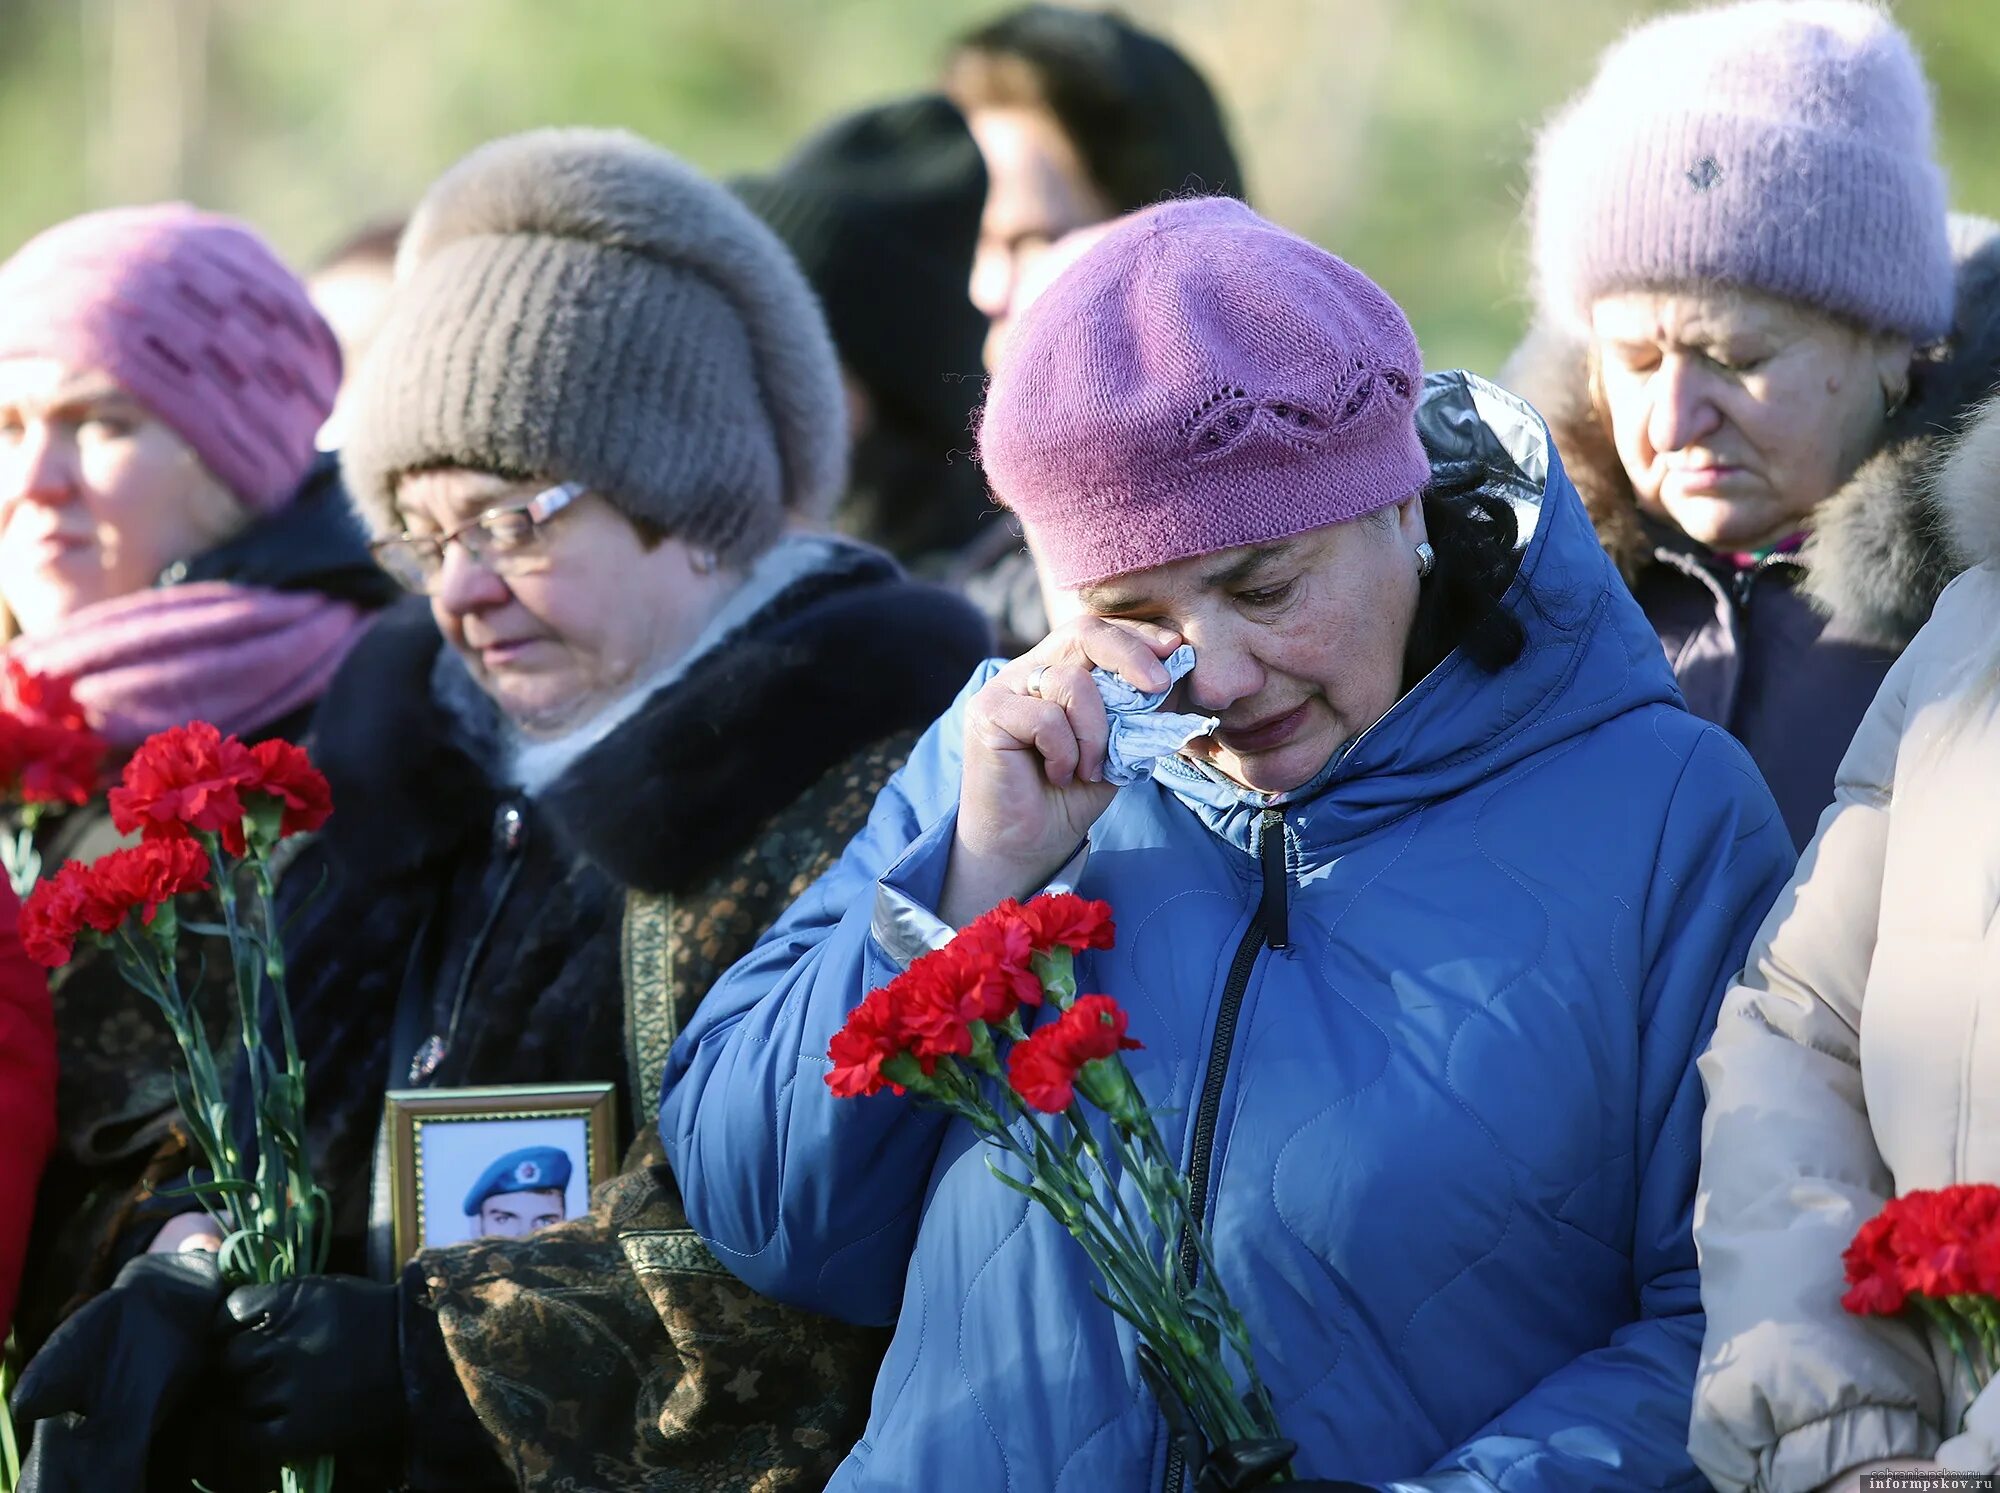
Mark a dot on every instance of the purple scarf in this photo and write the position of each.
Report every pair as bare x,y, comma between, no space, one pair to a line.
239,657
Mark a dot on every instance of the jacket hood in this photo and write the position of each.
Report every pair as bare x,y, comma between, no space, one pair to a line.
847,653
1882,549
1590,653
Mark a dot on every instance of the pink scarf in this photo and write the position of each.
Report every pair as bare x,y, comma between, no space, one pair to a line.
239,657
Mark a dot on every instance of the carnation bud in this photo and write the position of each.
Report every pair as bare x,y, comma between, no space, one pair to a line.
1056,969
1106,1084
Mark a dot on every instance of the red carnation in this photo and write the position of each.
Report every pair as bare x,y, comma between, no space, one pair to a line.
1043,1068
1936,1243
982,975
140,879
48,754
55,764
934,1002
1063,918
52,917
43,699
997,947
189,779
286,773
871,1037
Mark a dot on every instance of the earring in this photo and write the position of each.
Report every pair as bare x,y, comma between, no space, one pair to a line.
702,562
1427,560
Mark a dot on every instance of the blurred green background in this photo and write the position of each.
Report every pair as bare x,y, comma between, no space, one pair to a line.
1392,131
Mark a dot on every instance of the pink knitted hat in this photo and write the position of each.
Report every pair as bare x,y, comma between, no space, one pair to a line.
1779,145
194,316
1199,380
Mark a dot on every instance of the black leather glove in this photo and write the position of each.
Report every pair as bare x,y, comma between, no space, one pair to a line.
310,1368
107,1384
1241,1465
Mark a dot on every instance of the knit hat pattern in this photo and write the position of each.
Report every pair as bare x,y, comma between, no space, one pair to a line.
579,304
1199,380
195,317
882,211
1782,146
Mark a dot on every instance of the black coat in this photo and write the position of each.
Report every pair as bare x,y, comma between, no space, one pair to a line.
435,877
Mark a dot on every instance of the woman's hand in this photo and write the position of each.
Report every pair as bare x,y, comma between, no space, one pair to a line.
1035,738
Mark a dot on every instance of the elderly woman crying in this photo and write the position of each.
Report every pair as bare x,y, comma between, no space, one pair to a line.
1757,336
1421,941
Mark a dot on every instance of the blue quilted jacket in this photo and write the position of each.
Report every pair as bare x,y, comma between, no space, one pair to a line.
1424,1032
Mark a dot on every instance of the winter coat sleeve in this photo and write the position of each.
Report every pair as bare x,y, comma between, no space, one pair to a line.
1793,1389
1616,1418
809,1199
27,1096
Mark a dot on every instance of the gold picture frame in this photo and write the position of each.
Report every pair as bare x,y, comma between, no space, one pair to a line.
437,1137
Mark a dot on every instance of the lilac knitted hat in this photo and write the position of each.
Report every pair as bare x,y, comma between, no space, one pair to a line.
194,316
1198,380
1779,145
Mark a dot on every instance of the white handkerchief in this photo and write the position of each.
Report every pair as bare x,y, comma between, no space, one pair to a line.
1142,733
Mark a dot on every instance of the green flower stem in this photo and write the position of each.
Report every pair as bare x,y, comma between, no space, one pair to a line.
1076,1178
1118,1247
1167,1213
146,963
18,855
314,1477
10,1449
310,1235
271,1219
273,1216
1068,1196
1983,1317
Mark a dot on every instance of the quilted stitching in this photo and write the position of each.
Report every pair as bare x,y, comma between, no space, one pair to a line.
1470,878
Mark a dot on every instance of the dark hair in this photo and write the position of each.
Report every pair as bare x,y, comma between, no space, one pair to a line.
912,491
1142,119
1459,606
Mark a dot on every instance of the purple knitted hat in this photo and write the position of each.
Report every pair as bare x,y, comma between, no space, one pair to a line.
1779,145
194,316
1199,380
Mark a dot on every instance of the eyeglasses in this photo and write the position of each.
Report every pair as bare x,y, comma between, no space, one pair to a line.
504,540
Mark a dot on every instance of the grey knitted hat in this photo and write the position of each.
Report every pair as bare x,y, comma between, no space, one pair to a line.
581,305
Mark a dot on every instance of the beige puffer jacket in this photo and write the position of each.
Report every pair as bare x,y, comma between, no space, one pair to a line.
1859,1056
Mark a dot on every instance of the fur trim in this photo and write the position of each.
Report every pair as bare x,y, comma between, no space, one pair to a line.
1882,550
1966,487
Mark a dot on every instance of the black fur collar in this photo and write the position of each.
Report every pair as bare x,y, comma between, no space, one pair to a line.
313,543
1882,549
840,658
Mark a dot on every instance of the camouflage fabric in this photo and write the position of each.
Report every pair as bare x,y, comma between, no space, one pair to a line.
614,1352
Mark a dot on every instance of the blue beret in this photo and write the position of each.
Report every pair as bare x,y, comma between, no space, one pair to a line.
530,1169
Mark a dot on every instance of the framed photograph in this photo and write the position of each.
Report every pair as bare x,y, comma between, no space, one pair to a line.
494,1162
